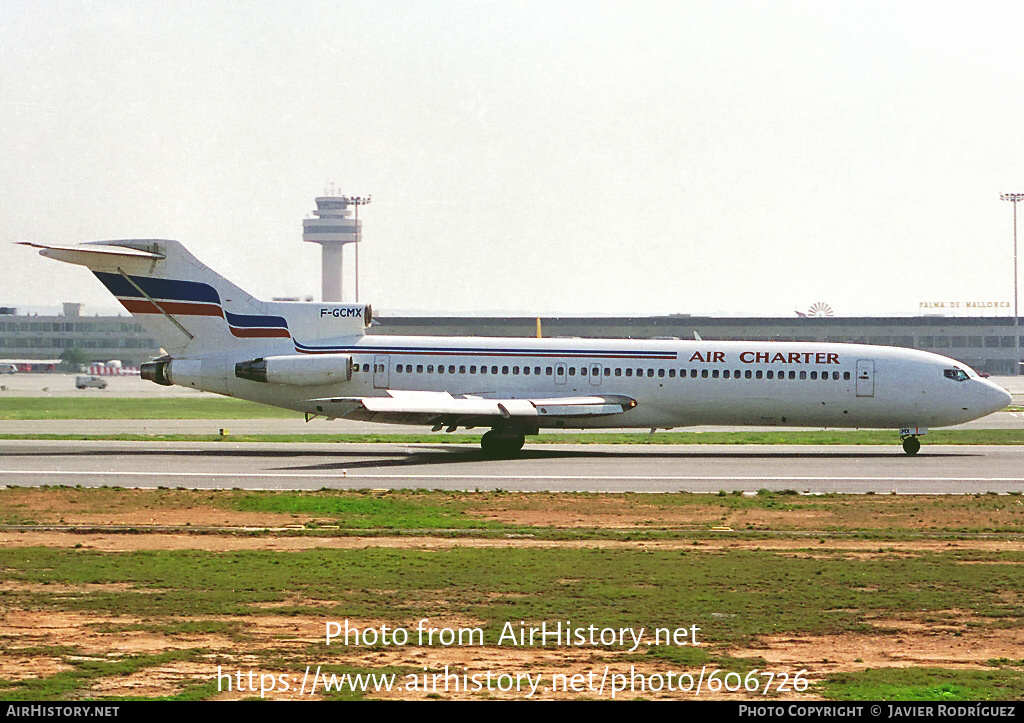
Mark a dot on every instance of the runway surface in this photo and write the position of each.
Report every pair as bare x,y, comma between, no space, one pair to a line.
593,468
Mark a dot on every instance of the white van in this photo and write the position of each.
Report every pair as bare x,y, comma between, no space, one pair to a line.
6,368
90,382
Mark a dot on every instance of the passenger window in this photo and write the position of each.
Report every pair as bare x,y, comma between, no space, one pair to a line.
714,374
618,371
366,367
504,370
440,368
846,376
494,370
548,371
759,374
483,370
430,369
572,371
536,370
451,368
419,368
725,374
803,375
583,371
661,373
835,376
515,370
792,375
398,368
472,370
526,370
629,371
704,373
693,374
650,372
770,374
748,374
462,369
672,373
814,375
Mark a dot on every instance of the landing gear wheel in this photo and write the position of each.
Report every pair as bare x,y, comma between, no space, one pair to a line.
501,446
911,445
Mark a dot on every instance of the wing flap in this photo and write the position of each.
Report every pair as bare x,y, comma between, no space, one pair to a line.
408,406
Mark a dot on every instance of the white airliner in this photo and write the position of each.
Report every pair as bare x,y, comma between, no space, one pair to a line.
316,358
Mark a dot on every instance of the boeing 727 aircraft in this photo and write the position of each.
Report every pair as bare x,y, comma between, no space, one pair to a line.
316,358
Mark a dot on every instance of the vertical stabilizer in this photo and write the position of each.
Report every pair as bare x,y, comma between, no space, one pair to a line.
192,310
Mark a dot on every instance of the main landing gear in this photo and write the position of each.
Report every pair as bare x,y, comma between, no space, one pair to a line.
911,444
502,445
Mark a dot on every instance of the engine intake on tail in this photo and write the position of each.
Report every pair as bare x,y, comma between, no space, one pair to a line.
156,371
297,369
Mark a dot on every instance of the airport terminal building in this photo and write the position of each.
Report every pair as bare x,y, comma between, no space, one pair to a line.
985,343
26,337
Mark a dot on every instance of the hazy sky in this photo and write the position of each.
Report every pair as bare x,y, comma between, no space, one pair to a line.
542,157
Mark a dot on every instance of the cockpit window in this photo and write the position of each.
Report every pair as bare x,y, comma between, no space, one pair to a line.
957,375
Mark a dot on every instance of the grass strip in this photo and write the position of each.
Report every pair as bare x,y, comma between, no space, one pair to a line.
731,596
925,684
138,408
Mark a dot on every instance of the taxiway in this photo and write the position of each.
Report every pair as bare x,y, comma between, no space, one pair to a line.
585,468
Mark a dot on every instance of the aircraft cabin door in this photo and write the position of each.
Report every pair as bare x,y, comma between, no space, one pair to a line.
595,375
381,366
865,378
559,373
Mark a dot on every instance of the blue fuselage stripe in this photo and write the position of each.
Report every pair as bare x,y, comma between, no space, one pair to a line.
479,352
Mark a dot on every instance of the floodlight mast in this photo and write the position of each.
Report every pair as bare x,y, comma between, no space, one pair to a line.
358,201
1014,198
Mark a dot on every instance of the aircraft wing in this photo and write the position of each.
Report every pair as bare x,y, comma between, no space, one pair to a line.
441,408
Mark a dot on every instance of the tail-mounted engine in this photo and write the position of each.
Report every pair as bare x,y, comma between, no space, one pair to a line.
297,369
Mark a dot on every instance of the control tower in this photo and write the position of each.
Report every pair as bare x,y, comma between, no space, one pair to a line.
332,229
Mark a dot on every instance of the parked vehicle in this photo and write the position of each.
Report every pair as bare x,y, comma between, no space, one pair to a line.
89,382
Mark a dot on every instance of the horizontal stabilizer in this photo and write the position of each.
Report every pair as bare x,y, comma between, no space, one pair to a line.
99,256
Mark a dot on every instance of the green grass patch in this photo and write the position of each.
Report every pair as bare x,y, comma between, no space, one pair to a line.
138,408
925,684
730,596
366,511
71,683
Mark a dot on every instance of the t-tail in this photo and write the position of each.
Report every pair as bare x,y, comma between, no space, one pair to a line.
192,311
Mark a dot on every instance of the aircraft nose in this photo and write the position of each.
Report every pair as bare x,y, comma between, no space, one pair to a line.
994,397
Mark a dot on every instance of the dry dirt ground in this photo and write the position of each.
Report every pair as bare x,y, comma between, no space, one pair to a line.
76,506
917,643
951,640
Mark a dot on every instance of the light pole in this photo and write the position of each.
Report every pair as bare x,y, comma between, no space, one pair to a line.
1014,198
358,201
